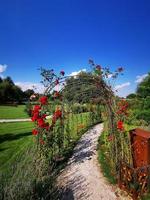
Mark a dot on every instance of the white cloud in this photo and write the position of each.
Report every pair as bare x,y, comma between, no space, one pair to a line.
121,86
37,87
123,89
77,72
140,78
2,69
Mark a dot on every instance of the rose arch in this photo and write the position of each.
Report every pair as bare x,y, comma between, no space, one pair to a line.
56,117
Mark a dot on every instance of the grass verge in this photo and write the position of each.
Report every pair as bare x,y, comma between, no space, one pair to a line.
104,160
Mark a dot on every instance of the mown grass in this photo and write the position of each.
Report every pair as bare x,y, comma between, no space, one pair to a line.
12,112
14,139
17,154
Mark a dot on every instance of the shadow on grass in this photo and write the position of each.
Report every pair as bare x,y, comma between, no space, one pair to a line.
2,149
10,137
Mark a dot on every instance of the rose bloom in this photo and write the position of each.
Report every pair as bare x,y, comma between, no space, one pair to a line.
120,125
34,132
36,108
43,100
58,113
35,116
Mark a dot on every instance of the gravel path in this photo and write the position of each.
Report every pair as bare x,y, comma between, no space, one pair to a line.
19,120
82,178
15,120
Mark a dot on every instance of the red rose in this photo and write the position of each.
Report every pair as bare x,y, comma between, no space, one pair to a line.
43,100
41,122
62,72
36,108
120,125
58,113
43,116
34,132
46,126
35,116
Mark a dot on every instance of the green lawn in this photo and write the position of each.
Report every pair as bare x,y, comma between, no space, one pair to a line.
12,112
14,139
18,150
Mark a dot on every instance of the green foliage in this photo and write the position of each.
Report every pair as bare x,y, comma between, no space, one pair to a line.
79,108
131,96
28,108
104,159
80,89
9,92
27,175
143,89
28,93
145,197
143,114
139,110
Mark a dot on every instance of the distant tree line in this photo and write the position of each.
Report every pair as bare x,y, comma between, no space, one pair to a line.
11,93
143,89
140,100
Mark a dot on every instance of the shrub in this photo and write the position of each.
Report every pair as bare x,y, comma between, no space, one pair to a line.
143,114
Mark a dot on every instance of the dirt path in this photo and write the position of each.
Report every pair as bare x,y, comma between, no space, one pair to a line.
82,178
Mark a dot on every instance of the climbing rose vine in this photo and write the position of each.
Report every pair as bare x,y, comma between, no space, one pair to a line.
39,111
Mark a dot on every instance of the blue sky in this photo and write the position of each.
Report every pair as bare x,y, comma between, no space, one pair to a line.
64,34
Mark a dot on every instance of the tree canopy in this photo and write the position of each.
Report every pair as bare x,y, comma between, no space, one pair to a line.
80,89
143,89
9,92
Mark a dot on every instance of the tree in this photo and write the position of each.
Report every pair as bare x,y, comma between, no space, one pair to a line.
8,80
9,92
131,96
28,93
143,89
1,80
81,89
